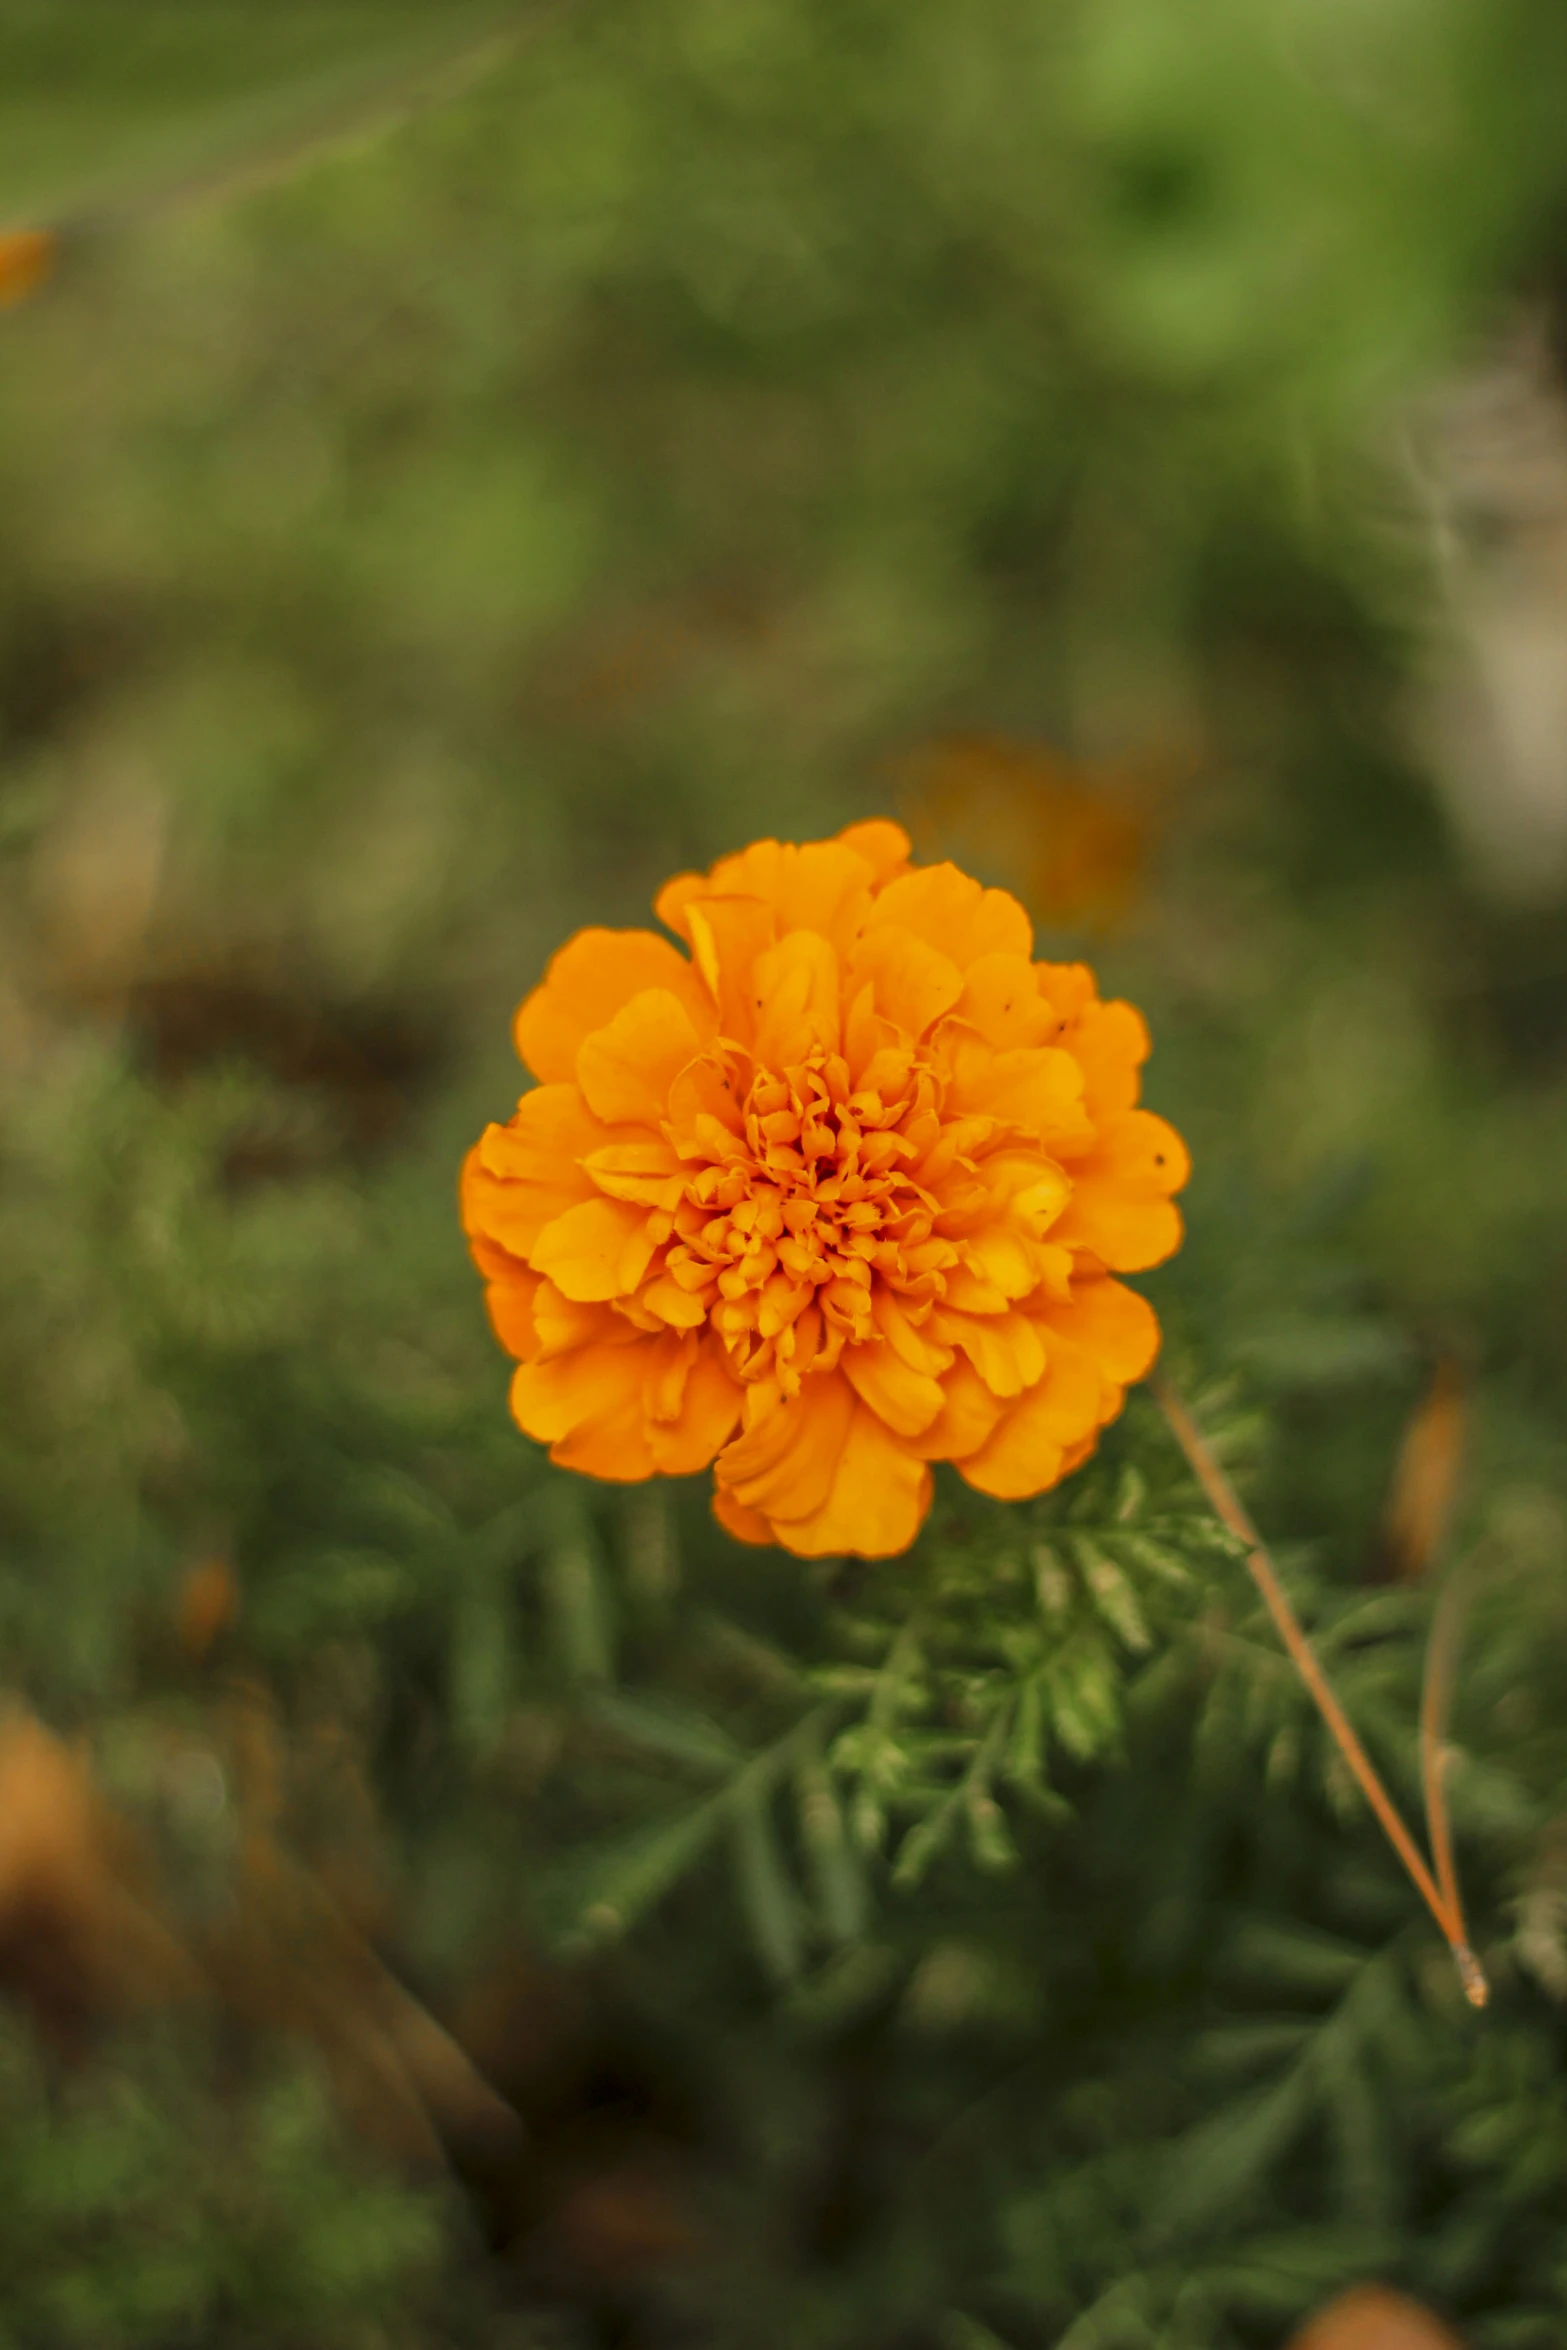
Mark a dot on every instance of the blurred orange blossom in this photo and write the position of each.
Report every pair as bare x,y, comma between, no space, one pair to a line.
27,255
839,1194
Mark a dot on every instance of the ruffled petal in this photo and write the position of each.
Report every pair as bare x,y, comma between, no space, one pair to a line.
594,975
906,1399
1005,1349
1001,1000
564,1324
728,937
969,1412
883,844
646,1172
784,1464
795,992
521,1176
587,1408
1117,1327
880,1494
954,913
745,1525
596,1251
1025,1452
1110,1043
913,982
510,1304
915,1344
1120,1210
626,1069
692,1414
822,885
1038,1089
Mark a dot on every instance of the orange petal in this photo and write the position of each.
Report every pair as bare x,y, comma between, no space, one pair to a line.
880,1494
866,1035
745,1525
681,1308
1006,1257
646,1171
521,1176
1005,1349
727,937
1118,1328
1036,1088
1001,999
907,1400
704,1419
1128,1235
795,988
1110,1044
1119,1209
883,844
1069,987
564,1324
587,1408
511,1313
593,977
494,1262
702,1100
953,912
785,1462
821,885
918,1348
969,1411
914,983
598,1250
626,1070
966,1293
1026,1451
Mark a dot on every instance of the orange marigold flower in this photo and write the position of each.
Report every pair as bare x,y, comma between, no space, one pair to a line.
837,1195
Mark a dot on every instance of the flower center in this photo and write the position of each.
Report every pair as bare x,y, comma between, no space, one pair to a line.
789,1221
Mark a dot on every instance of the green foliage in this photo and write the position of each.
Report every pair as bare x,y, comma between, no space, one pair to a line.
107,100
136,2211
638,455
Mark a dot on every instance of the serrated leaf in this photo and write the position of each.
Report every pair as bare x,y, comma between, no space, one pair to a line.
579,1608
841,1894
1293,1957
1213,2166
624,1880
669,1729
1053,1583
1236,2049
1081,1691
1156,1558
1131,1494
1113,1598
772,1906
990,1839
921,1846
868,1818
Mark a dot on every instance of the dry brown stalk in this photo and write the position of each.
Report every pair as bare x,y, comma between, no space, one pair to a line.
1439,1893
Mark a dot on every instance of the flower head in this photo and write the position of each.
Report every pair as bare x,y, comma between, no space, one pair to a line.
837,1194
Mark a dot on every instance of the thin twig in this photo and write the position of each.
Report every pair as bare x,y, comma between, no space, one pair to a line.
1435,1754
1229,1507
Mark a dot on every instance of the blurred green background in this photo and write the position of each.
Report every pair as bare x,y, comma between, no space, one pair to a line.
459,469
